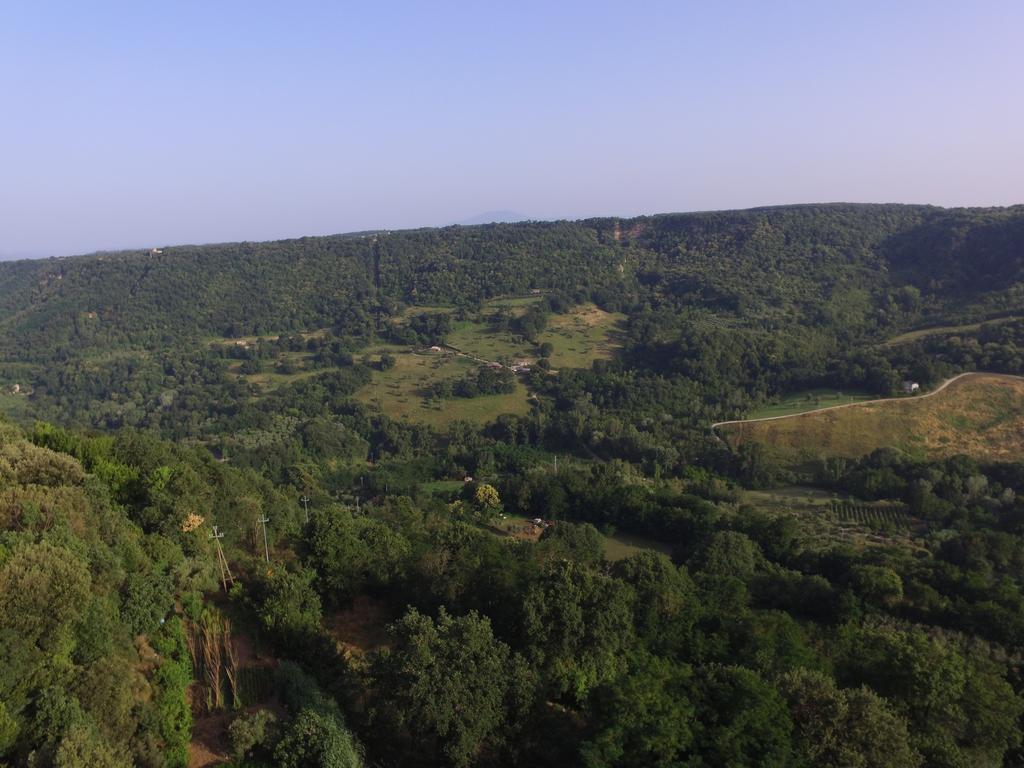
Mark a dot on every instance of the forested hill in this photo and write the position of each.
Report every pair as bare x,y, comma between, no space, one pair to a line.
773,265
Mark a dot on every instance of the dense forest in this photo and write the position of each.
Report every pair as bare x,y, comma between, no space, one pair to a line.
195,570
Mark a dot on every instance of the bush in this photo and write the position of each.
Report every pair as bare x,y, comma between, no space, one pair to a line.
251,731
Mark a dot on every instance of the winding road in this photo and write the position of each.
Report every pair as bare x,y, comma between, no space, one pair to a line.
942,386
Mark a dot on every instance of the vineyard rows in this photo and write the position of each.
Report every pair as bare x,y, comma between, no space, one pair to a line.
871,515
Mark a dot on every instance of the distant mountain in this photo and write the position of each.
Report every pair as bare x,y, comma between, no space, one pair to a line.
493,217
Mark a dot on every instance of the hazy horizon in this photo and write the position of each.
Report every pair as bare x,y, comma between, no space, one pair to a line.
132,126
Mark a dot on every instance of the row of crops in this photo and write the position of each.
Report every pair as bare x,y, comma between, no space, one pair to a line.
871,515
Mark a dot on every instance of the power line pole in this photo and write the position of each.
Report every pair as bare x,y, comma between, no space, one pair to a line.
305,503
222,562
266,548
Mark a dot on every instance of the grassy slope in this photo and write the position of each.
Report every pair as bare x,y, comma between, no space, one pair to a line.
811,400
946,330
582,336
980,415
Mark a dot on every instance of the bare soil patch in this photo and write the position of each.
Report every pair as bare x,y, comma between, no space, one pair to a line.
362,627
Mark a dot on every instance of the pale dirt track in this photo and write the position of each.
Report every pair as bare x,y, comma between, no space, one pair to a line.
942,386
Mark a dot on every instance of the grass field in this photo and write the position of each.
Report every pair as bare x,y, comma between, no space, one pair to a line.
479,340
616,547
442,487
401,392
579,337
945,330
582,336
513,301
13,406
809,400
623,545
980,415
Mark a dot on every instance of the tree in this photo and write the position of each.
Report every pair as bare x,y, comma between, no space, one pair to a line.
250,731
730,553
315,739
743,720
580,542
349,553
83,747
43,589
644,718
666,604
876,585
579,624
836,728
287,604
450,682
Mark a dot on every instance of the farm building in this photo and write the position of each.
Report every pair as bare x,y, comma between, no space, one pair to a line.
909,387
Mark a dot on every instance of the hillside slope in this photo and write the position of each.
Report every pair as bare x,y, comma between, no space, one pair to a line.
796,262
978,415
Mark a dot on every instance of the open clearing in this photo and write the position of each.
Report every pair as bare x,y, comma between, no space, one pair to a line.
945,330
618,546
980,415
13,406
829,517
402,391
622,545
809,400
579,337
583,335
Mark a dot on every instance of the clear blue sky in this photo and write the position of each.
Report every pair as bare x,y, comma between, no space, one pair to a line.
140,123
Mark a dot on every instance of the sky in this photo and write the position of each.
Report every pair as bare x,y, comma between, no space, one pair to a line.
139,124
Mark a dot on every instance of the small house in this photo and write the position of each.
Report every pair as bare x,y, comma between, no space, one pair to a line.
910,387
435,348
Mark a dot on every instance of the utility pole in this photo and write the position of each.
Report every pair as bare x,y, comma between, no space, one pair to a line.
266,549
222,562
305,503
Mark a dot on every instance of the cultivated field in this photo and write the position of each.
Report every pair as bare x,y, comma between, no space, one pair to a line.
827,518
981,415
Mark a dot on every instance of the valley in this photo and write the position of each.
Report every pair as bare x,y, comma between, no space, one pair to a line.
259,501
